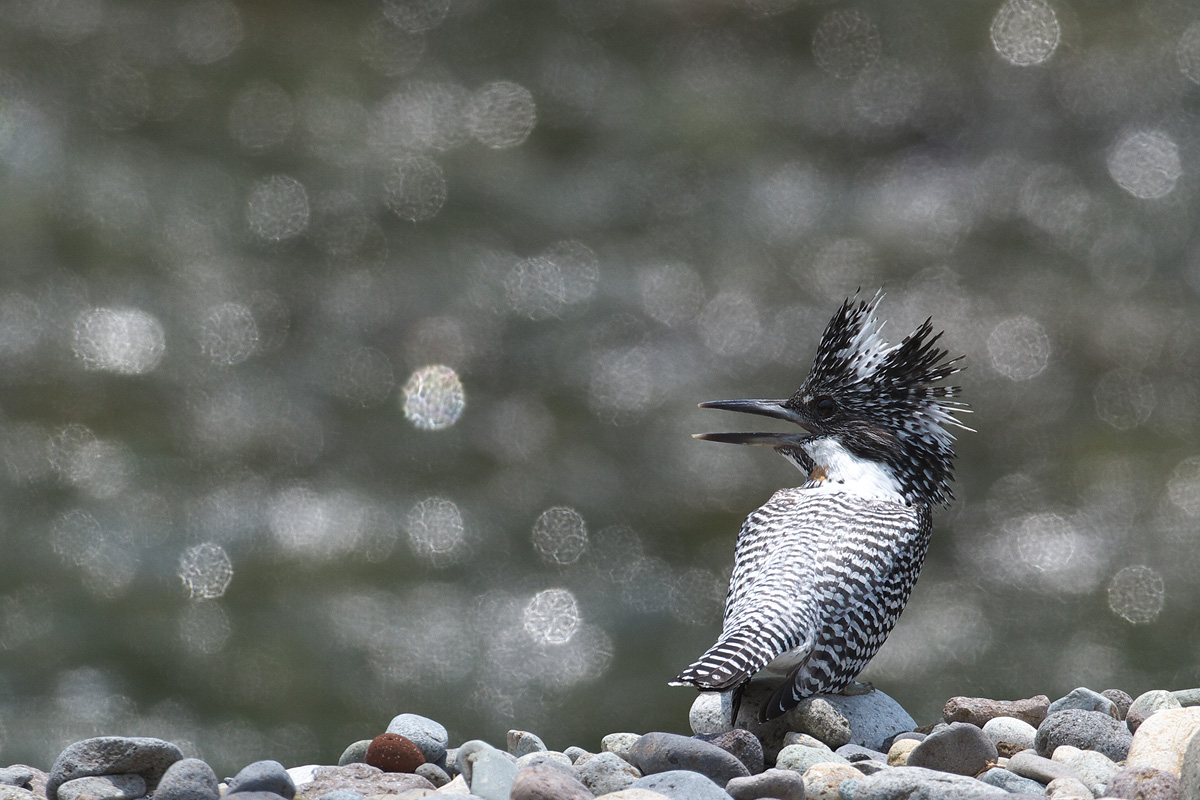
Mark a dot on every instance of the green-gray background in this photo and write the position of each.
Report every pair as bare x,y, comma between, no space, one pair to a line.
232,234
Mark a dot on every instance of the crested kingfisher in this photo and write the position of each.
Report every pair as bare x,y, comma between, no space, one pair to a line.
822,571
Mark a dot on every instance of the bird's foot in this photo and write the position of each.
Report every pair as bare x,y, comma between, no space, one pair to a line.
858,687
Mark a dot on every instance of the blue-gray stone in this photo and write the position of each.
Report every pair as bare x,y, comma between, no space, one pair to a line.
428,735
1087,730
742,744
355,753
113,755
1085,699
262,776
607,772
1029,764
488,772
434,774
188,779
1010,781
16,776
960,748
918,783
1187,697
778,784
103,787
681,784
662,752
521,743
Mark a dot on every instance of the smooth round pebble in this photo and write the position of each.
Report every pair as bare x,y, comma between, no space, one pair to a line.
188,779
778,784
113,755
522,743
434,774
17,775
575,753
1085,699
103,787
547,782
1011,782
1093,769
1120,699
681,784
392,752
1162,740
1087,730
1148,704
710,713
960,748
795,737
1143,783
619,743
425,733
262,776
1187,697
800,757
1011,731
662,752
355,753
607,772
1067,789
821,781
1029,764
900,750
742,745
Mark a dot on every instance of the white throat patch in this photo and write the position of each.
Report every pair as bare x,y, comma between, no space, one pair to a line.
846,472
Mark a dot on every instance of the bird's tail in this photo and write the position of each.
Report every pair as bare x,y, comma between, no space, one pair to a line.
727,664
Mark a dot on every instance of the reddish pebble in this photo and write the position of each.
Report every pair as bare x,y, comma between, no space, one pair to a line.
392,752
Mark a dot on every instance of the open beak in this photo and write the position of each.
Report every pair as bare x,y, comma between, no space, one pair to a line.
764,408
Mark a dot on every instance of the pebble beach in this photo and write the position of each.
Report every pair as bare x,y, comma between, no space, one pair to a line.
1087,744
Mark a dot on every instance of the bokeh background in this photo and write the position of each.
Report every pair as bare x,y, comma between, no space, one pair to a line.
349,352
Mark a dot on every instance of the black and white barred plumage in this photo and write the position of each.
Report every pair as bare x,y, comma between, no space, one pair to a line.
823,571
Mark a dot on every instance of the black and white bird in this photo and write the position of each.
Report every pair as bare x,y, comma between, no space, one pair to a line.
822,571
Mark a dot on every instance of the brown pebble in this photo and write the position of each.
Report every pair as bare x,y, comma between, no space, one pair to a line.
392,752
978,710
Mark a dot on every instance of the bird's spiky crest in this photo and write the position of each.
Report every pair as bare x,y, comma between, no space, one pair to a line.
891,387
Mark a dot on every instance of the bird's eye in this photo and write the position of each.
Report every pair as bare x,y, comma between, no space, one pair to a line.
824,406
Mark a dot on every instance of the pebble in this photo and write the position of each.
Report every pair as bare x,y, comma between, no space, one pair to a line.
794,737
855,753
522,743
619,743
1189,775
10,792
16,776
547,782
575,753
682,784
103,787
978,710
1017,734
1147,704
1067,789
425,733
900,750
1188,697
662,752
1093,769
1087,700
188,779
778,784
392,752
710,713
432,773
636,794
800,757
960,748
1029,764
918,782
742,745
1087,730
1162,740
113,755
262,776
607,772
543,757
361,778
1143,783
1010,781
488,771
1120,699
355,753
821,782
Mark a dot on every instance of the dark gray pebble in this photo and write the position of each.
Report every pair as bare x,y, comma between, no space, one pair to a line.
1010,781
547,782
778,784
356,753
662,752
681,784
1120,699
103,787
433,773
918,782
960,748
113,755
742,744
1087,700
188,779
855,753
1143,783
1087,730
262,776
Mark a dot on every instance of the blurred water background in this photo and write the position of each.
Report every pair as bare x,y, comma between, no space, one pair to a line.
349,352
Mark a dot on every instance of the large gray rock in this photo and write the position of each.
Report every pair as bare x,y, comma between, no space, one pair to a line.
1087,700
743,745
1087,730
662,752
918,783
960,748
1162,740
427,734
682,784
113,755
262,776
188,779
